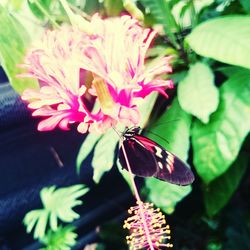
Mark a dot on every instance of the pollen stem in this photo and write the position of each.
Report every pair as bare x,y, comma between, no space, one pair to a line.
137,196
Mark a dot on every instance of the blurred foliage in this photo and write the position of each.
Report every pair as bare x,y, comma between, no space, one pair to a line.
104,154
13,43
40,7
206,121
217,144
219,191
205,96
165,195
216,39
64,238
57,204
113,7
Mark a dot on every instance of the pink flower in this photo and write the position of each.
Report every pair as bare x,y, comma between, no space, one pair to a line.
55,61
116,53
114,57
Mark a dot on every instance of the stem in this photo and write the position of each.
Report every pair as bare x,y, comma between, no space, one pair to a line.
80,12
137,196
66,7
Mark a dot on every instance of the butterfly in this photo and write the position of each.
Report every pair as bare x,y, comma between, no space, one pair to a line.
149,159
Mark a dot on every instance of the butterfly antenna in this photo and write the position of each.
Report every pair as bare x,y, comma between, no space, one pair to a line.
163,123
157,136
119,134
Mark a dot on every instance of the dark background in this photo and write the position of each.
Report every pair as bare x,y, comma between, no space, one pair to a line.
27,164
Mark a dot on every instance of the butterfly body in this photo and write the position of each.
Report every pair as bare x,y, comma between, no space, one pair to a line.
149,159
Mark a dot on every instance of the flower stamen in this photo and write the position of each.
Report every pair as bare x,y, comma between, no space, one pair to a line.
158,230
106,101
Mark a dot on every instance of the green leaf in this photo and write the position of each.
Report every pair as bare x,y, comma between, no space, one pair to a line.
246,5
145,107
35,7
113,7
58,204
174,126
92,6
64,238
228,71
61,201
17,4
159,51
237,237
161,11
165,195
218,192
104,153
186,12
125,175
13,43
226,39
86,147
41,224
36,217
217,144
197,93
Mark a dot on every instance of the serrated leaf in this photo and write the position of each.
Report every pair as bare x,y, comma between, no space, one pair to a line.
41,224
31,218
217,144
218,192
225,39
197,93
64,238
13,43
174,126
104,153
166,195
58,204
86,147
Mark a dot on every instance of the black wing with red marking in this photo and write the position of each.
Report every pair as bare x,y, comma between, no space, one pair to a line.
169,167
141,160
147,158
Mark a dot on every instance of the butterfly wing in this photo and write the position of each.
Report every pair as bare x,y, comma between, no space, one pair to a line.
174,170
142,161
169,167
